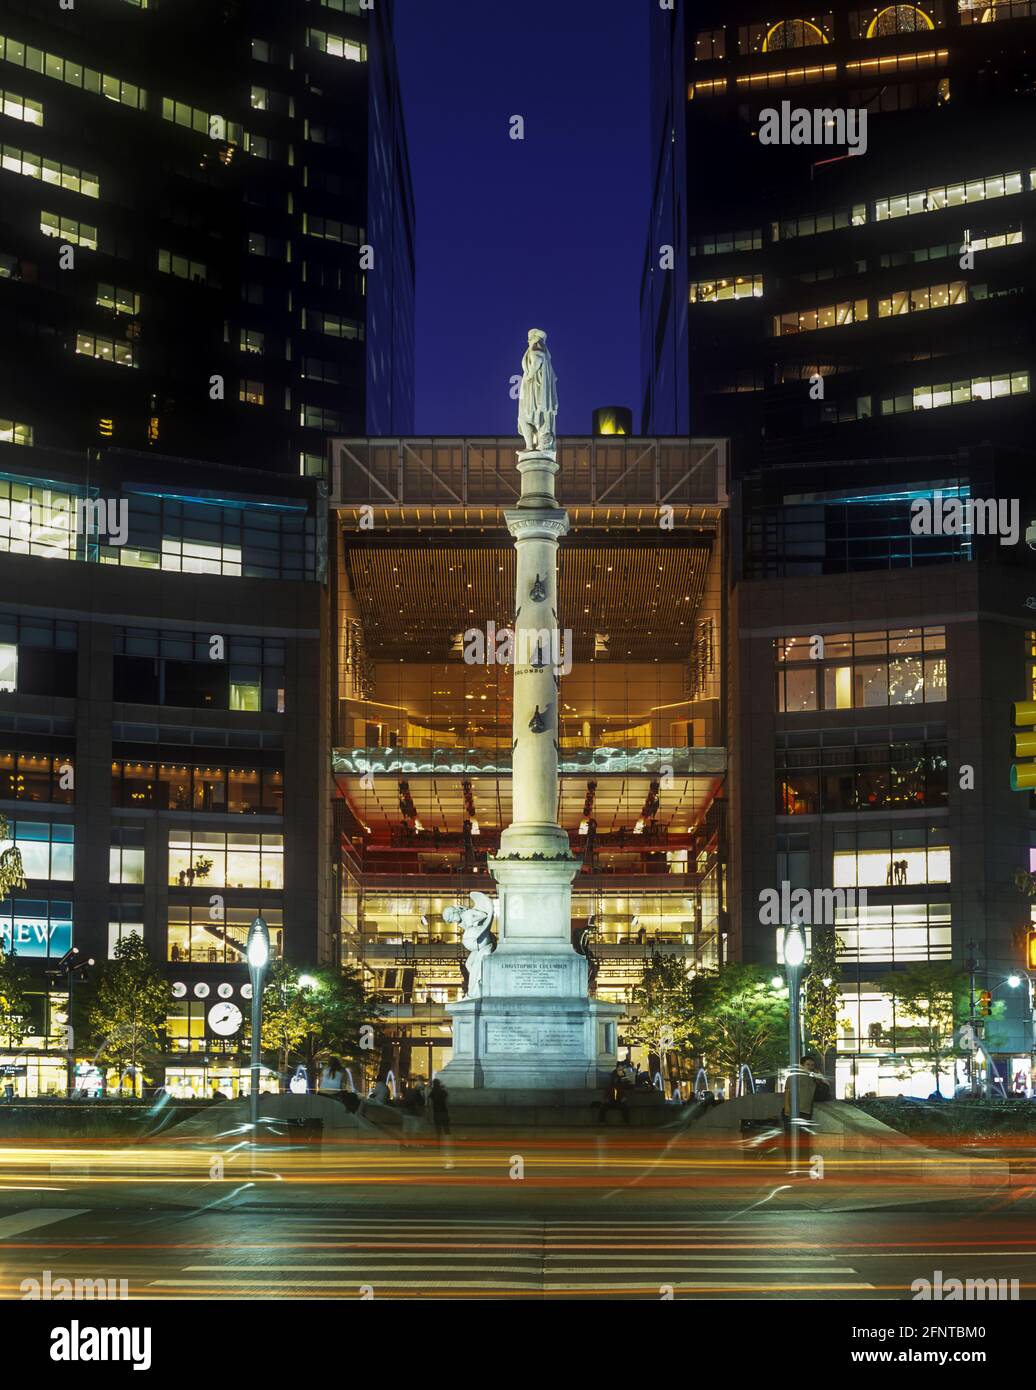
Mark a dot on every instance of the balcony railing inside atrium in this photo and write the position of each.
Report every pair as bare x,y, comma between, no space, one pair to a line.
681,762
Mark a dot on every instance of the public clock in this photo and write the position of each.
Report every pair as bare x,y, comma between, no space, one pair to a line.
179,989
246,991
201,990
224,990
225,1019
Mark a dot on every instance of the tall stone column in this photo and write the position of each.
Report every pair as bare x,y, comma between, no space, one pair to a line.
537,525
530,1025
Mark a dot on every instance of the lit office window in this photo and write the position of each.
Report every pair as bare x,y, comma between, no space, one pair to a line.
882,20
118,299
15,432
786,33
24,55
829,316
947,196
710,44
213,859
710,87
722,243
716,291
335,46
8,667
861,670
246,696
898,62
105,350
815,223
890,858
36,777
21,108
209,123
194,936
47,850
182,267
989,11
330,230
331,324
944,296
78,233
250,392
118,930
199,557
126,864
966,392
790,77
252,340
315,417
37,520
34,166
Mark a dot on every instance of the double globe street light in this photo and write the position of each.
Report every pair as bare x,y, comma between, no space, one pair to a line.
257,953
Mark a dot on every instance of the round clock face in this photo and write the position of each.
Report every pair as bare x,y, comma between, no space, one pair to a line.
179,989
246,991
202,990
225,1019
224,990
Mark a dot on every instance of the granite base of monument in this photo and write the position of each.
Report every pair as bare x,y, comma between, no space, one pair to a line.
534,1043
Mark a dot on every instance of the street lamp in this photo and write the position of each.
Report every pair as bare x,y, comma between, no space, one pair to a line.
73,968
794,959
257,954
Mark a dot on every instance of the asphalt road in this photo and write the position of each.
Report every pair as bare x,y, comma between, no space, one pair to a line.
495,1217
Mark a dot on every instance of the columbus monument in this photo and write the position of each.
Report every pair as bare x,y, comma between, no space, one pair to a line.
527,1021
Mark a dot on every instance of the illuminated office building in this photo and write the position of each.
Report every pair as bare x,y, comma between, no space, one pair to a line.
860,326
187,190
163,738
898,276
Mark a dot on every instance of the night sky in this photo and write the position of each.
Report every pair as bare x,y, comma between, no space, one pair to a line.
542,233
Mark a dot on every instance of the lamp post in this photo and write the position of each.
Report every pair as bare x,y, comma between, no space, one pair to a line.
258,955
794,959
1014,981
72,968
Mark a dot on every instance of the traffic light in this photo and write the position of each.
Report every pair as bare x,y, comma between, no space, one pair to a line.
1030,948
985,1003
1023,776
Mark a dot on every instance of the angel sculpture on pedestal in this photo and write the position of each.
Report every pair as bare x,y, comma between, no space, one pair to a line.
477,937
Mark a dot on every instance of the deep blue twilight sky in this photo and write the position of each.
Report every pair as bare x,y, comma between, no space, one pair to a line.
542,233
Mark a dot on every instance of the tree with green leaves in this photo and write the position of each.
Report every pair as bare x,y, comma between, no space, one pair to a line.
12,871
129,1008
931,999
340,1008
14,1007
661,1009
287,1012
327,1012
820,991
739,1018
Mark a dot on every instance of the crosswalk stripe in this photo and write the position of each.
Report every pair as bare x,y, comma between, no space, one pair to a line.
711,1285
39,1216
458,1267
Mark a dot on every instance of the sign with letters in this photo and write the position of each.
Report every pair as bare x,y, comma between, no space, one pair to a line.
36,936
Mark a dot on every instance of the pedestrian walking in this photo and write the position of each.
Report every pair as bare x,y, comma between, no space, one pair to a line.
614,1097
437,1103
